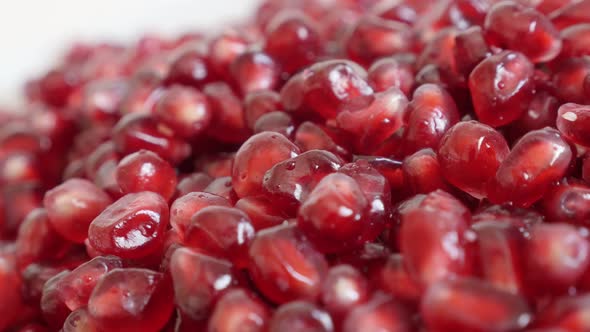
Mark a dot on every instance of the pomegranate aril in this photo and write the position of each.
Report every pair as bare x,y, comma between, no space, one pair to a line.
223,187
53,308
146,171
573,121
72,206
536,160
189,68
541,113
228,114
470,49
192,183
285,266
422,172
101,155
223,50
568,202
472,305
573,13
184,207
393,278
237,310
391,72
79,321
344,288
132,227
310,136
131,299
569,79
576,41
380,313
198,279
101,100
186,111
262,211
215,165
258,103
255,71
300,316
279,122
20,167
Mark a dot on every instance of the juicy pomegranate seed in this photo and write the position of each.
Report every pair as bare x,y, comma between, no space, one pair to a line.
52,306
228,119
145,171
422,172
344,288
259,103
131,299
572,119
285,266
223,50
186,111
470,154
393,278
132,227
566,313
300,316
391,72
310,136
569,79
542,112
380,313
255,71
237,310
501,87
470,49
72,206
79,320
568,203
189,68
536,160
573,13
576,41
192,183
183,208
223,187
472,305
279,122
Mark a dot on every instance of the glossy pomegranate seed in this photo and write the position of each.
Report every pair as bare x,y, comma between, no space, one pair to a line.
228,119
37,240
279,122
223,50
509,25
146,171
262,212
255,157
501,88
223,187
556,256
422,172
572,119
215,165
293,39
58,84
135,132
470,49
184,207
192,183
300,316
391,72
568,203
285,266
19,167
430,114
344,288
569,79
53,308
255,71
198,279
573,13
566,313
72,206
131,299
434,251
101,100
293,179
325,88
259,103
189,68
310,136
472,305
576,41
541,113
221,232
500,246
374,37
186,111
392,277
132,227
380,313
470,154
536,160
237,310
78,321
101,155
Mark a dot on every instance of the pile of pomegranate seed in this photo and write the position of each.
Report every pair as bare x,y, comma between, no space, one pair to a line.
343,165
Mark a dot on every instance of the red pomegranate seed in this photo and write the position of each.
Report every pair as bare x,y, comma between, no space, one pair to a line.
198,279
501,87
259,103
576,41
541,113
472,305
223,50
78,321
566,313
536,160
344,288
300,316
215,165
422,172
189,68
293,39
285,266
569,79
279,122
255,71
391,72
223,187
470,153
393,278
52,307
228,114
101,155
192,183
186,111
237,310
310,136
221,232
101,100
263,212
146,171
131,299
72,206
573,13
132,227
572,121
184,207
380,313
470,49
434,251
568,203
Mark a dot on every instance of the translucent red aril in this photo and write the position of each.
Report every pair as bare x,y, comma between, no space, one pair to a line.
300,316
566,313
391,72
223,50
470,49
52,307
257,155
131,299
132,227
377,121
472,305
568,203
573,13
72,206
184,207
19,167
501,87
380,313
101,100
146,171
569,79
135,132
79,321
58,84
101,155
237,310
541,113
435,251
422,172
509,25
430,114
536,160
189,68
576,41
285,266
255,71
215,165
259,103
293,179
279,122
470,154
223,187
310,136
228,118
198,279
185,110
573,121
374,37
344,288
499,254
221,232
555,257
393,278
76,286
325,87
192,183
293,39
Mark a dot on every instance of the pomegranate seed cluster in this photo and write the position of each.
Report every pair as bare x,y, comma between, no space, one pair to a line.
344,165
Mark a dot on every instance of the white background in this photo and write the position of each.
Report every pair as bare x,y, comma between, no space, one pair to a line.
34,32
